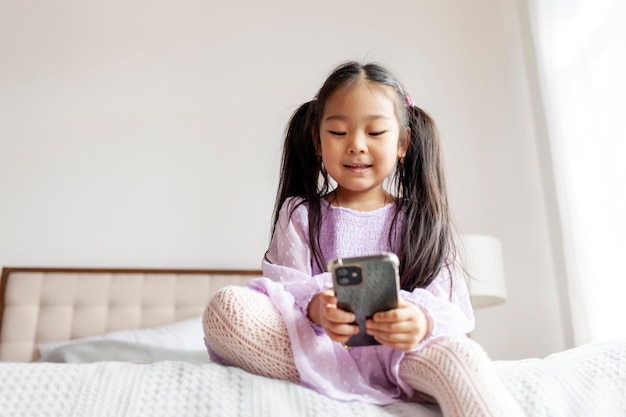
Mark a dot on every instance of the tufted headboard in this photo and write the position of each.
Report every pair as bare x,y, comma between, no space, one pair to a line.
41,305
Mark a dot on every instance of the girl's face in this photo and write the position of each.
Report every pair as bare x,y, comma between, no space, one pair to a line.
361,141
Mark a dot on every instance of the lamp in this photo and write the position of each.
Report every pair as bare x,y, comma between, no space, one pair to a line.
482,257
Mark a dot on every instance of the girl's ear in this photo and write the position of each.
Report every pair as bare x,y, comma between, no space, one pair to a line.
403,143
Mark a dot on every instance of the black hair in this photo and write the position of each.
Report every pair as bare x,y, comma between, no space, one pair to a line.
419,183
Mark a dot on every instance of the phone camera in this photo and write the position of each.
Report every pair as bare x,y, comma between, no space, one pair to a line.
349,275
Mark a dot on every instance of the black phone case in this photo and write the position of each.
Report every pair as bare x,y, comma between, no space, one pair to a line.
377,291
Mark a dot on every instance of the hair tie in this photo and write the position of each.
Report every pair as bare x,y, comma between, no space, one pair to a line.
409,101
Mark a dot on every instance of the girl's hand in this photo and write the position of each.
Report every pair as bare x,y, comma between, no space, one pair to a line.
401,328
323,310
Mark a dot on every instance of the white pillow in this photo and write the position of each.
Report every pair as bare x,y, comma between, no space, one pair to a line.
182,335
119,351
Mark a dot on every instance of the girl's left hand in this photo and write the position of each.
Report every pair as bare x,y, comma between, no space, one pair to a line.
401,328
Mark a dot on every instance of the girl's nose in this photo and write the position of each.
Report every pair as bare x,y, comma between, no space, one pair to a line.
357,144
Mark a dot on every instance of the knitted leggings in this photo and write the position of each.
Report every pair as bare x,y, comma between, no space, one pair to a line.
243,327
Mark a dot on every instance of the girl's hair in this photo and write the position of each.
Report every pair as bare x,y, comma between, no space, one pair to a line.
427,242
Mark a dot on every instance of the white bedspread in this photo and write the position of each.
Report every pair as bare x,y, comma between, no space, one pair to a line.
167,388
586,381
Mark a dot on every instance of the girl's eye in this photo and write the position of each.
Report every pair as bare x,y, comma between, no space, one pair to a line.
336,133
382,132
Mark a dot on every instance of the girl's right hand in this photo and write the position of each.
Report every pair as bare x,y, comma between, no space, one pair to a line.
324,312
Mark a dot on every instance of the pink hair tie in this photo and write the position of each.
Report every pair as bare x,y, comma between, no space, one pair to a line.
409,101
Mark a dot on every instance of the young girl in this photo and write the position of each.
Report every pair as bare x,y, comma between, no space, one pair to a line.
362,173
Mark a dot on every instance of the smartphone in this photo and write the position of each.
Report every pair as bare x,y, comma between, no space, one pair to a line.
364,286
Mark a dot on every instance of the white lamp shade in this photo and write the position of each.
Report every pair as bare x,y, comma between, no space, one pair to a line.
482,257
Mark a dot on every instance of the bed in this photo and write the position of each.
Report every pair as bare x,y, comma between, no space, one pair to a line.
129,342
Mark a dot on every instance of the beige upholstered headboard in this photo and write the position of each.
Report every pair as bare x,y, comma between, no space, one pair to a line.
40,305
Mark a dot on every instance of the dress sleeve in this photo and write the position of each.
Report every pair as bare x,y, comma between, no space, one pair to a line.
288,259
446,303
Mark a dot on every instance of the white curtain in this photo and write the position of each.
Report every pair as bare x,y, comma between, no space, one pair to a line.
581,54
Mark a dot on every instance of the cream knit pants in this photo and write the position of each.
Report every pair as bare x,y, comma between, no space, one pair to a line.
243,327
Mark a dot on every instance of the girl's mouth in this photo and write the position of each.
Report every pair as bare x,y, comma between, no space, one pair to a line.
357,166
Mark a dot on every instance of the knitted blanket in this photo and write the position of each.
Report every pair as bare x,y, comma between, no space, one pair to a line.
586,381
168,389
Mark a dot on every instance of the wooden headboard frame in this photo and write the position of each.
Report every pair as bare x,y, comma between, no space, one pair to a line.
183,280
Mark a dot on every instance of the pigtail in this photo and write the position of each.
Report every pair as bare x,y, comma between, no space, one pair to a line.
298,165
300,173
427,242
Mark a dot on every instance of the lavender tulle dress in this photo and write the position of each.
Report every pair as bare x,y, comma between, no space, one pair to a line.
368,374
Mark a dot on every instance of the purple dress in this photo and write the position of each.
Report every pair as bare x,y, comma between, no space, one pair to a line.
291,279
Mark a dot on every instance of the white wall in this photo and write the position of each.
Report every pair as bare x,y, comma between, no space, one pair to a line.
147,133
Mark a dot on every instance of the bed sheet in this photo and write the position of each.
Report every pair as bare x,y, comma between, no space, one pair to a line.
169,388
586,381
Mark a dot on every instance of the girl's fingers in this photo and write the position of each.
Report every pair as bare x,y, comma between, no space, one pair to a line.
335,315
335,322
401,341
343,332
401,328
405,311
406,326
397,333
